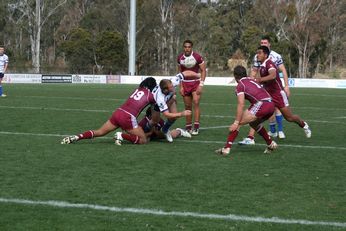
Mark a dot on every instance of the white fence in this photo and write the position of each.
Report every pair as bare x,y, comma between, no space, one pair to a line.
126,79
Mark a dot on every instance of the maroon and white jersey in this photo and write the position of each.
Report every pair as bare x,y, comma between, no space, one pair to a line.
275,85
190,63
252,90
138,100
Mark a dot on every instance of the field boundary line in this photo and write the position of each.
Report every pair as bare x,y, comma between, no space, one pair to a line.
156,212
178,140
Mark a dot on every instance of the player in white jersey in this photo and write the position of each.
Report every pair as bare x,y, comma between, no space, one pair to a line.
3,67
164,95
277,59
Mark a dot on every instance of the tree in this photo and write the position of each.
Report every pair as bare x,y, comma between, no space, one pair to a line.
34,14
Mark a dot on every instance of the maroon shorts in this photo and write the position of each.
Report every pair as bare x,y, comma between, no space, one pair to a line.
262,109
280,99
190,87
123,119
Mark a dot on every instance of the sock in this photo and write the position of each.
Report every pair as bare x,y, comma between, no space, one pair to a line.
167,125
196,125
188,127
147,127
231,137
86,135
272,127
0,90
132,138
263,132
279,120
302,124
251,137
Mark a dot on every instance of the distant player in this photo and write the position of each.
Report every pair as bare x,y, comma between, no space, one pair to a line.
124,117
261,109
3,67
192,86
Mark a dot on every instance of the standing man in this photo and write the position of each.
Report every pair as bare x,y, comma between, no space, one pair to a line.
191,86
277,118
269,77
261,109
3,67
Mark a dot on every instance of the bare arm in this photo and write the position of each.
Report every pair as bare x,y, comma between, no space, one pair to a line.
282,68
239,115
271,76
175,115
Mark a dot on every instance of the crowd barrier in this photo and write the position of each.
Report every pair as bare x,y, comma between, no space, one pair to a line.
126,79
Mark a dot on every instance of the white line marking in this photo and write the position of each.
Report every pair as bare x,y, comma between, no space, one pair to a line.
178,140
231,217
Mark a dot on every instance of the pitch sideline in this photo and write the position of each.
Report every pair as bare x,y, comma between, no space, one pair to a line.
155,212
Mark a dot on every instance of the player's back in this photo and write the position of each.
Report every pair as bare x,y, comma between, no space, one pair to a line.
252,90
137,101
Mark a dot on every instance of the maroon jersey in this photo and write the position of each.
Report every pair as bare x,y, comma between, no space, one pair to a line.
190,63
138,100
252,90
275,85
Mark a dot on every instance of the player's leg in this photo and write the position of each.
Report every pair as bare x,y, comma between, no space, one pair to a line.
279,122
246,118
172,107
103,130
1,93
196,111
290,117
188,106
272,126
135,135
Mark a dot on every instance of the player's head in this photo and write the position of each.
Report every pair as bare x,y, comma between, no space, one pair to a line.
2,49
262,53
265,41
239,72
149,83
166,86
187,45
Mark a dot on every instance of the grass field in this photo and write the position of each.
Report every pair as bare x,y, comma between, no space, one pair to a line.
96,185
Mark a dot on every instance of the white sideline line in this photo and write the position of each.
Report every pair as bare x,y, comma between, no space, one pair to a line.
229,217
178,140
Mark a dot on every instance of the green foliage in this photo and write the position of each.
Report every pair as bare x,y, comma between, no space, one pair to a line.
111,52
79,51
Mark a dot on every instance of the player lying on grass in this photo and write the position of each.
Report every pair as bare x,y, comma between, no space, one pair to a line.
261,109
155,132
124,117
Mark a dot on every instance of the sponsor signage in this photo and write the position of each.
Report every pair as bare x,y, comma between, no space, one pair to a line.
56,78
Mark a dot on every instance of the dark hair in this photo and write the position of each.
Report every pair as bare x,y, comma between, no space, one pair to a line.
239,72
188,41
265,37
264,49
149,83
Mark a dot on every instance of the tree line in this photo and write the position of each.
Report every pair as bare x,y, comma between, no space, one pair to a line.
92,36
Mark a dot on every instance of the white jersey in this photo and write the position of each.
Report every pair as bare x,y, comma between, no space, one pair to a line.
3,61
273,56
162,99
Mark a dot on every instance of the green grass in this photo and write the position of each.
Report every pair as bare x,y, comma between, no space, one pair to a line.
303,180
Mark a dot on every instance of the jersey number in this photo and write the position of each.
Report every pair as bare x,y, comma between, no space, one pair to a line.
137,95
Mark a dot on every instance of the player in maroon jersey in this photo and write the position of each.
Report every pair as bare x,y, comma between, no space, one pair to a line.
124,117
261,109
191,87
269,77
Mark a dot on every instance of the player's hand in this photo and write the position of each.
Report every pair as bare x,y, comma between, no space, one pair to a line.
181,91
199,90
186,113
258,79
287,91
233,127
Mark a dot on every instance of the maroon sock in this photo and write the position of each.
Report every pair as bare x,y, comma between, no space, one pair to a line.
263,132
301,124
196,125
132,138
251,137
86,135
231,137
188,127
